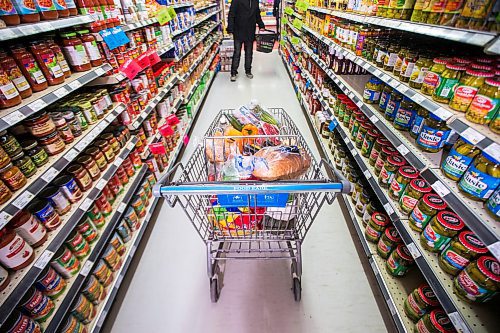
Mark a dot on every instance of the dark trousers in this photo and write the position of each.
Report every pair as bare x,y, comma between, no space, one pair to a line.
237,56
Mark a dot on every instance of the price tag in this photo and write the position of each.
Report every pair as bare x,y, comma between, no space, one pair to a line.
402,88
4,219
45,26
418,98
49,175
440,188
377,72
136,125
27,30
86,204
70,155
359,104
80,146
495,249
118,161
388,208
472,135
351,95
130,146
132,251
122,207
402,149
23,199
75,85
393,83
118,281
44,259
7,34
86,268
354,152
373,118
110,117
61,92
100,184
99,71
366,65
493,150
415,253
374,267
13,118
442,113
456,320
37,105
341,85
120,77
391,306
367,174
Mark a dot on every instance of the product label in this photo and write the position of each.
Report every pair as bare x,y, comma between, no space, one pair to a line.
395,266
433,239
62,62
417,124
34,71
7,8
418,74
414,306
15,253
432,138
431,79
483,107
398,64
8,91
31,231
474,291
366,147
446,87
383,247
493,204
385,176
464,94
38,305
390,60
52,64
407,202
397,188
478,183
45,5
92,50
70,4
453,258
371,95
419,218
21,83
372,233
404,117
456,164
76,55
384,98
392,108
59,4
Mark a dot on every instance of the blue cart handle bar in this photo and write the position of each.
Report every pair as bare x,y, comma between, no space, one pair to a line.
238,187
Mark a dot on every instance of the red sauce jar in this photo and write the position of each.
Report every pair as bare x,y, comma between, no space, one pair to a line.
27,11
20,323
52,143
98,157
47,61
103,205
9,96
106,149
47,9
70,4
81,174
30,69
90,45
60,57
75,52
8,13
37,305
15,75
62,9
29,228
15,252
90,166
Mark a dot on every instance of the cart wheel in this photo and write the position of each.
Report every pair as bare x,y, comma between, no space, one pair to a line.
297,289
214,290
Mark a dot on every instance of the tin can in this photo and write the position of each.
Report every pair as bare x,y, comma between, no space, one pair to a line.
84,310
108,194
139,207
96,216
112,258
20,323
122,175
94,290
103,205
118,244
88,230
132,219
57,199
124,232
147,188
151,179
135,159
103,273
73,325
78,245
51,283
144,197
45,213
65,263
128,167
69,188
39,306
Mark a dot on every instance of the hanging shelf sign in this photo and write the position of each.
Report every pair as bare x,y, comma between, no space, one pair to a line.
289,10
163,16
297,24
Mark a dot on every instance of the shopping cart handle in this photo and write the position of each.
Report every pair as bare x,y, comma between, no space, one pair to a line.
347,186
159,182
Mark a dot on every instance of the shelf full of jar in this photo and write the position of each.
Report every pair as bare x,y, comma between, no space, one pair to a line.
197,81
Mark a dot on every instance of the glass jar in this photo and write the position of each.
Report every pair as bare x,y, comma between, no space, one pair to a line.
30,69
405,114
377,147
484,107
381,50
339,158
358,189
45,213
467,88
493,205
358,120
382,157
88,112
373,88
9,96
433,134
399,61
385,96
376,226
459,158
347,114
440,230
29,228
419,302
363,129
9,143
362,202
40,125
479,282
90,165
4,158
391,56
412,194
399,261
404,175
408,66
432,77
393,105
106,149
368,142
98,156
419,71
48,63
448,81
12,177
481,178
37,154
52,143
388,171
474,15
75,52
387,242
62,127
25,164
418,121
57,199
14,74
460,251
60,57
5,193
428,206
73,122
90,45
436,321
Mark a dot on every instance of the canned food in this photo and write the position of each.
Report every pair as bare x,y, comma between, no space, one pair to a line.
94,290
78,245
65,263
73,325
112,258
118,244
103,205
132,219
88,230
124,232
103,273
96,217
51,283
37,305
84,310
45,213
69,188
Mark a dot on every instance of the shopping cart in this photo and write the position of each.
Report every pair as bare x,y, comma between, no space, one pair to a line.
250,219
266,40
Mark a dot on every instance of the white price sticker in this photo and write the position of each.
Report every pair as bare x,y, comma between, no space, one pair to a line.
440,188
388,208
100,184
402,149
110,117
374,267
86,268
136,125
456,320
367,174
351,95
415,253
13,118
393,83
7,34
359,104
120,77
49,175
130,146
386,77
493,150
366,65
132,251
402,88
61,92
442,113
341,85
418,98
23,199
495,249
354,152
118,281
377,72
75,85
373,118
44,259
118,161
37,105
4,219
81,145
70,155
391,306
86,204
27,29
472,135
99,71
121,208
45,26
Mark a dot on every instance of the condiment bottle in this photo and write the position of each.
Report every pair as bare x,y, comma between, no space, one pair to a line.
8,64
9,96
47,61
30,69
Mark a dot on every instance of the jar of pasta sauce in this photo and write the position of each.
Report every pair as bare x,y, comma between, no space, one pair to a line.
57,199
128,167
9,96
90,45
8,64
122,175
75,52
88,230
115,185
45,213
51,283
30,69
59,55
37,154
15,252
29,228
21,323
65,262
39,306
98,157
52,143
90,166
96,216
68,187
62,127
48,63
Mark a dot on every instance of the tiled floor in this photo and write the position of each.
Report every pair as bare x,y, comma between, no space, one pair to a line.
169,291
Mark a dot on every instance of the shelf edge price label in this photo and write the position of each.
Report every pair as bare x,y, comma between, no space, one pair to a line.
44,259
75,85
118,161
493,150
457,321
13,118
373,118
4,219
86,268
402,149
100,184
50,174
23,199
99,71
390,304
121,208
132,251
388,208
61,92
37,105
440,188
495,249
415,253
374,267
367,174
86,204
101,319
472,135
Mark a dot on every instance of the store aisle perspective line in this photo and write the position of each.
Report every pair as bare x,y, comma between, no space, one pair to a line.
169,291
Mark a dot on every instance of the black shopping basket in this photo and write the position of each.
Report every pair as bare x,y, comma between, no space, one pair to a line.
265,41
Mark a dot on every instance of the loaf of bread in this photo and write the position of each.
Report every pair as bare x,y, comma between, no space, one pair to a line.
217,149
280,162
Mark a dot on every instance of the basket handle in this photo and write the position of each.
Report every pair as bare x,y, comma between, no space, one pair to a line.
347,186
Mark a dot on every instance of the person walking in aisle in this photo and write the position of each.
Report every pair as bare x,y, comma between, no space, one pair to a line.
276,13
241,21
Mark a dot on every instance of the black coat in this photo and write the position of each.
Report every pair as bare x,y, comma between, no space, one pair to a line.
242,18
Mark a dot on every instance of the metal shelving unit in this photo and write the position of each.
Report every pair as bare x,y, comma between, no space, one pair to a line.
197,82
200,39
205,7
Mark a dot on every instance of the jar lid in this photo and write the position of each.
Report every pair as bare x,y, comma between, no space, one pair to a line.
389,150
68,34
420,185
28,144
380,219
408,172
374,132
396,160
490,267
479,73
490,158
461,60
84,31
427,295
392,234
366,125
382,140
20,218
482,67
49,192
18,156
434,201
441,61
7,167
441,321
484,60
470,241
455,66
403,252
450,220
491,81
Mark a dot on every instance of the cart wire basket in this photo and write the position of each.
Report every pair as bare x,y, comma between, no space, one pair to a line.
265,41
250,219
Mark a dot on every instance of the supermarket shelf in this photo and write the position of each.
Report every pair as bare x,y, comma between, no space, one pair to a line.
200,39
74,284
165,49
428,164
472,37
197,82
205,7
297,15
479,135
29,29
182,5
54,167
207,17
295,30
24,278
200,58
107,80
147,110
39,100
137,25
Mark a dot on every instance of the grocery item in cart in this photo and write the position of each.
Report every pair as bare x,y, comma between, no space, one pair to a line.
281,162
235,221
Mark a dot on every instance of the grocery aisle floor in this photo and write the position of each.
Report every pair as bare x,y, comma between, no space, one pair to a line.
169,290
